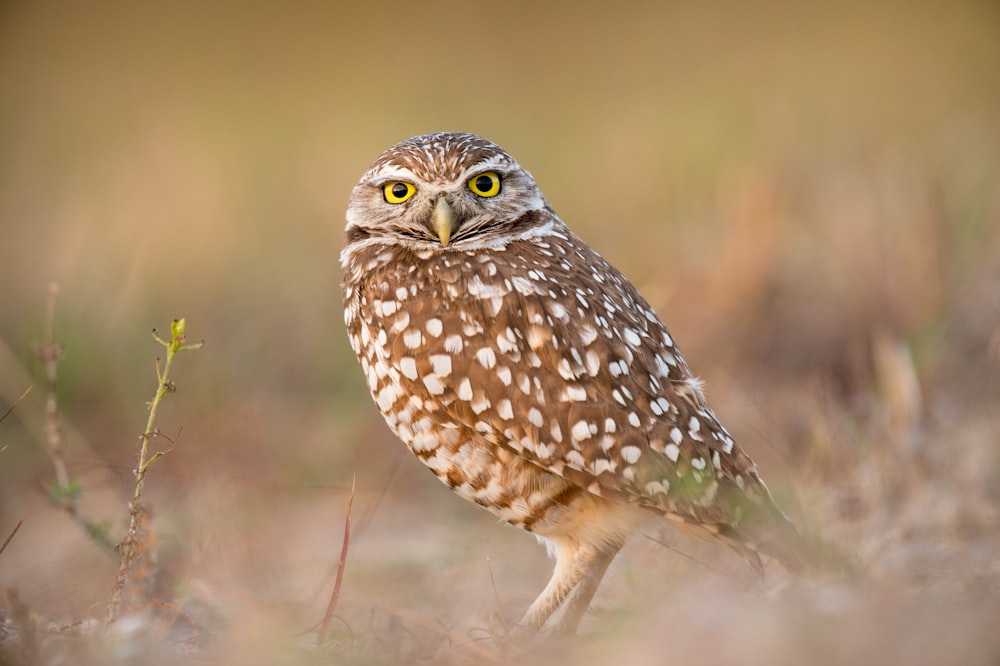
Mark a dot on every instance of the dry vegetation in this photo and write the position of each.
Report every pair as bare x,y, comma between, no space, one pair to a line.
810,199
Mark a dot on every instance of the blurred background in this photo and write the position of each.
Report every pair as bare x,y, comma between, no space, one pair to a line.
808,194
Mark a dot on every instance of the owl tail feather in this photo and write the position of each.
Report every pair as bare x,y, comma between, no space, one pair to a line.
780,541
776,538
765,530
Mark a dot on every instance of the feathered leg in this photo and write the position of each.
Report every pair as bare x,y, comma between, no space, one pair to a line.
577,574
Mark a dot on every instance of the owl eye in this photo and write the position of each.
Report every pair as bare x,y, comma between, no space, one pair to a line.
485,184
397,191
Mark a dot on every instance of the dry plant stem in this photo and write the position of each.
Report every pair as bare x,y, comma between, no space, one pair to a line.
16,403
496,599
127,547
688,557
65,492
11,536
335,595
50,353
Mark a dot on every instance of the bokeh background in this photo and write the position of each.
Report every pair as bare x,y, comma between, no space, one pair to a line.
808,193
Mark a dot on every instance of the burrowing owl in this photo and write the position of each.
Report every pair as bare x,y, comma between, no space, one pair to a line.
529,374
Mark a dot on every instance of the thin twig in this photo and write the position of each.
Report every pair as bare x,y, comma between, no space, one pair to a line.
496,598
687,557
372,507
335,595
11,536
192,642
16,403
49,353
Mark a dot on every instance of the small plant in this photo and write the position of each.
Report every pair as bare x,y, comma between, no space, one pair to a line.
134,543
63,491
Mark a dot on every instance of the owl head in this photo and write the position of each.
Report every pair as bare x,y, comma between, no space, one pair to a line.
449,191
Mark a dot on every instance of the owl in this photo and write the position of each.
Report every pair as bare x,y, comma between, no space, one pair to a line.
530,375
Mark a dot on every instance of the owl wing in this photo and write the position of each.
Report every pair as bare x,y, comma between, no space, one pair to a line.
578,374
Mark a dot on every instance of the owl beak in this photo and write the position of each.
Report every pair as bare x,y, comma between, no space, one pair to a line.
443,221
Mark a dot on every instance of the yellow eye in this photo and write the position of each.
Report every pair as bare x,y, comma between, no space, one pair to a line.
485,184
397,191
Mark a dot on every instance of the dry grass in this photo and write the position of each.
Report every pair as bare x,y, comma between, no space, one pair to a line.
809,198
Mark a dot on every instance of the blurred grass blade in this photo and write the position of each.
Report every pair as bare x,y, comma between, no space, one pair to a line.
335,595
11,535
16,403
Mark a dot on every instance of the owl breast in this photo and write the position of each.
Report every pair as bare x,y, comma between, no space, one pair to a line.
441,381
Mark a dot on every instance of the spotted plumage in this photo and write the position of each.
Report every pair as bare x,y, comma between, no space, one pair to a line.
527,372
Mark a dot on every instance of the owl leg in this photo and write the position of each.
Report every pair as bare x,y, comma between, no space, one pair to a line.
578,571
578,601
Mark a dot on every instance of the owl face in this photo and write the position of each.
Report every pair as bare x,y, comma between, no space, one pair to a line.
447,191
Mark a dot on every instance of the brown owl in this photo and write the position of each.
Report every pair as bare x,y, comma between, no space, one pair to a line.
529,374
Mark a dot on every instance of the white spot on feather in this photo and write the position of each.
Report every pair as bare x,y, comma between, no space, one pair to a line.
631,454
453,344
434,326
535,417
440,364
433,384
506,342
557,310
486,357
576,460
580,431
408,366
505,410
657,487
387,396
413,339
602,465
